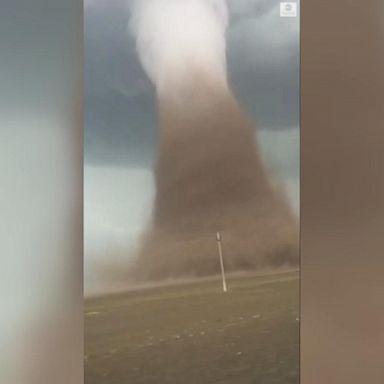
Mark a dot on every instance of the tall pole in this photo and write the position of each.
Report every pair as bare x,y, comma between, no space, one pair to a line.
218,238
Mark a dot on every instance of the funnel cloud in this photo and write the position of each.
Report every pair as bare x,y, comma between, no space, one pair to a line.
209,176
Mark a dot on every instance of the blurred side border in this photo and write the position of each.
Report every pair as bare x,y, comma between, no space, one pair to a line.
41,198
342,190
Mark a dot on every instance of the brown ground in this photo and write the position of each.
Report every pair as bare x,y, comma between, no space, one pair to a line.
194,333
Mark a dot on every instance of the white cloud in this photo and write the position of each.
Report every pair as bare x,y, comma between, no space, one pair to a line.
117,206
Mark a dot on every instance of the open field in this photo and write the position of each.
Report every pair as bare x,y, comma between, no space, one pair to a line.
194,333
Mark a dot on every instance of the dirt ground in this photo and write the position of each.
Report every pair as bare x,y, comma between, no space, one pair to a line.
192,332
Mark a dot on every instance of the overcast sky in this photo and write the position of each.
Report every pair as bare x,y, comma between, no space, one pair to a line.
120,112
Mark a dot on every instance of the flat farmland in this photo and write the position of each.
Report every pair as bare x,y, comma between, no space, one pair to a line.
192,332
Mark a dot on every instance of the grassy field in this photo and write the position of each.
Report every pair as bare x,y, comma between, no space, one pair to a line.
194,333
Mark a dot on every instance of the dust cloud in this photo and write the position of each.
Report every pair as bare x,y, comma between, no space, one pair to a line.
209,175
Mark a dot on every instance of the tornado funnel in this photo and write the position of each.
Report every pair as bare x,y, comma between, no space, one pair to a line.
209,175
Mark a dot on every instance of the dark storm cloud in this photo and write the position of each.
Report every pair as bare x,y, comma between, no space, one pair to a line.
263,60
120,119
119,102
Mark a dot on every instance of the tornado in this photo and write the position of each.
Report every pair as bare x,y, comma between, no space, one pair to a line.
209,175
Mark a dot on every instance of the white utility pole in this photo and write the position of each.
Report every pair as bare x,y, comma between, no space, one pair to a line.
218,238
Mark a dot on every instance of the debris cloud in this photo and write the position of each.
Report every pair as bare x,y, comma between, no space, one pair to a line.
209,174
